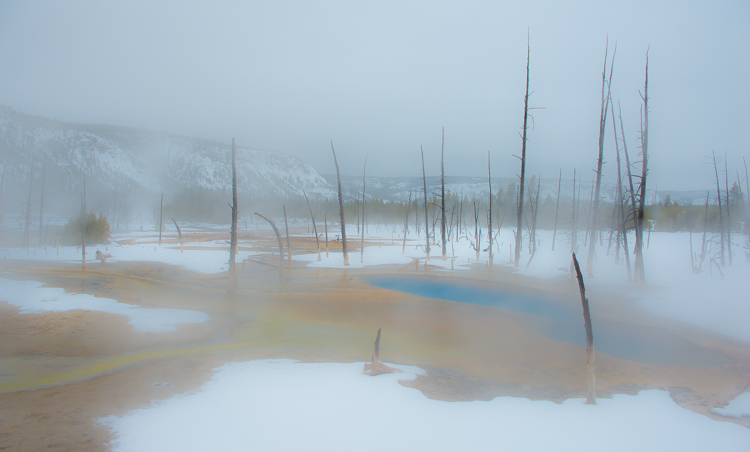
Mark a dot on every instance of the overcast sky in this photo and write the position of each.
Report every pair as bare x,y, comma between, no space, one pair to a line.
384,77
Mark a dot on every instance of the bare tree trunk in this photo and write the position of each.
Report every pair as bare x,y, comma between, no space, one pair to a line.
519,211
534,212
729,217
406,223
426,222
315,228
362,242
476,231
235,207
489,206
620,203
588,214
278,237
721,215
179,232
705,229
325,220
161,216
341,208
640,273
83,228
747,205
288,245
41,202
442,196
593,226
27,220
574,227
590,357
557,209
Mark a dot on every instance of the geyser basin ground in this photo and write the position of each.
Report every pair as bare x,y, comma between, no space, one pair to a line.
561,320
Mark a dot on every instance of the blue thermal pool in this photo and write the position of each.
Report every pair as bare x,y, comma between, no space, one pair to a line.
561,320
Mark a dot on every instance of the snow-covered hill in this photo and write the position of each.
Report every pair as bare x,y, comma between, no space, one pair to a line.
130,159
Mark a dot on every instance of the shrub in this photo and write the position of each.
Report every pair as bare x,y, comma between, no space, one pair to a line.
97,230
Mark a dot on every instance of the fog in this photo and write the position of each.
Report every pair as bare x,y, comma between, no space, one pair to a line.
383,78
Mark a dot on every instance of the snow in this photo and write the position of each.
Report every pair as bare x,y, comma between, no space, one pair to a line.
737,408
286,405
31,297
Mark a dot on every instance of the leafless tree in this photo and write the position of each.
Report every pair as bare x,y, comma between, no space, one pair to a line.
41,202
640,272
557,209
288,244
593,225
729,216
426,223
489,207
325,221
534,211
590,356
721,215
278,237
179,232
161,215
442,195
406,223
574,220
315,228
519,211
27,219
362,242
83,222
341,208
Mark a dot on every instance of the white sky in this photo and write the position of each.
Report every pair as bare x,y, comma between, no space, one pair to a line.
383,77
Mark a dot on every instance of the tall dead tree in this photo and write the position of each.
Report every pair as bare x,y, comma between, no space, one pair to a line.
179,232
489,207
341,208
442,195
2,183
288,245
278,237
721,215
161,215
620,203
640,272
557,209
325,221
83,222
362,242
574,219
27,219
747,205
41,202
426,222
594,224
406,224
590,356
235,207
534,213
634,210
729,217
519,209
315,228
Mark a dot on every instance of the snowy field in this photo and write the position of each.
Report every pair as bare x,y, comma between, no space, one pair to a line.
284,405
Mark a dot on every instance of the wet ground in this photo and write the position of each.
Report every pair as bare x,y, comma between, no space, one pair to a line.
59,371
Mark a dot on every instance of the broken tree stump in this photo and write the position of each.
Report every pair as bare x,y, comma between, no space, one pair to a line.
376,367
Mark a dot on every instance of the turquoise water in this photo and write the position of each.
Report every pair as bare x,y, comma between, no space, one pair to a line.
561,321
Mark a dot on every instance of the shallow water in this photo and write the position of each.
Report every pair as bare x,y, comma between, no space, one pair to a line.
562,321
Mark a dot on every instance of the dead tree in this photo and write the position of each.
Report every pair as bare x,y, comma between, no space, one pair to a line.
477,231
489,206
341,207
406,223
534,212
593,225
519,210
574,220
620,198
325,221
315,228
278,237
27,219
590,357
41,202
375,367
2,183
288,245
83,222
557,209
362,243
442,195
426,222
721,215
640,272
179,232
161,216
235,207
729,217
747,205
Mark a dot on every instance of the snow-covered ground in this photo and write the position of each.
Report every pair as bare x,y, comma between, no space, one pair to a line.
273,405
31,297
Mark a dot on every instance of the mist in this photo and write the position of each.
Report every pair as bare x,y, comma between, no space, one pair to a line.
383,78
